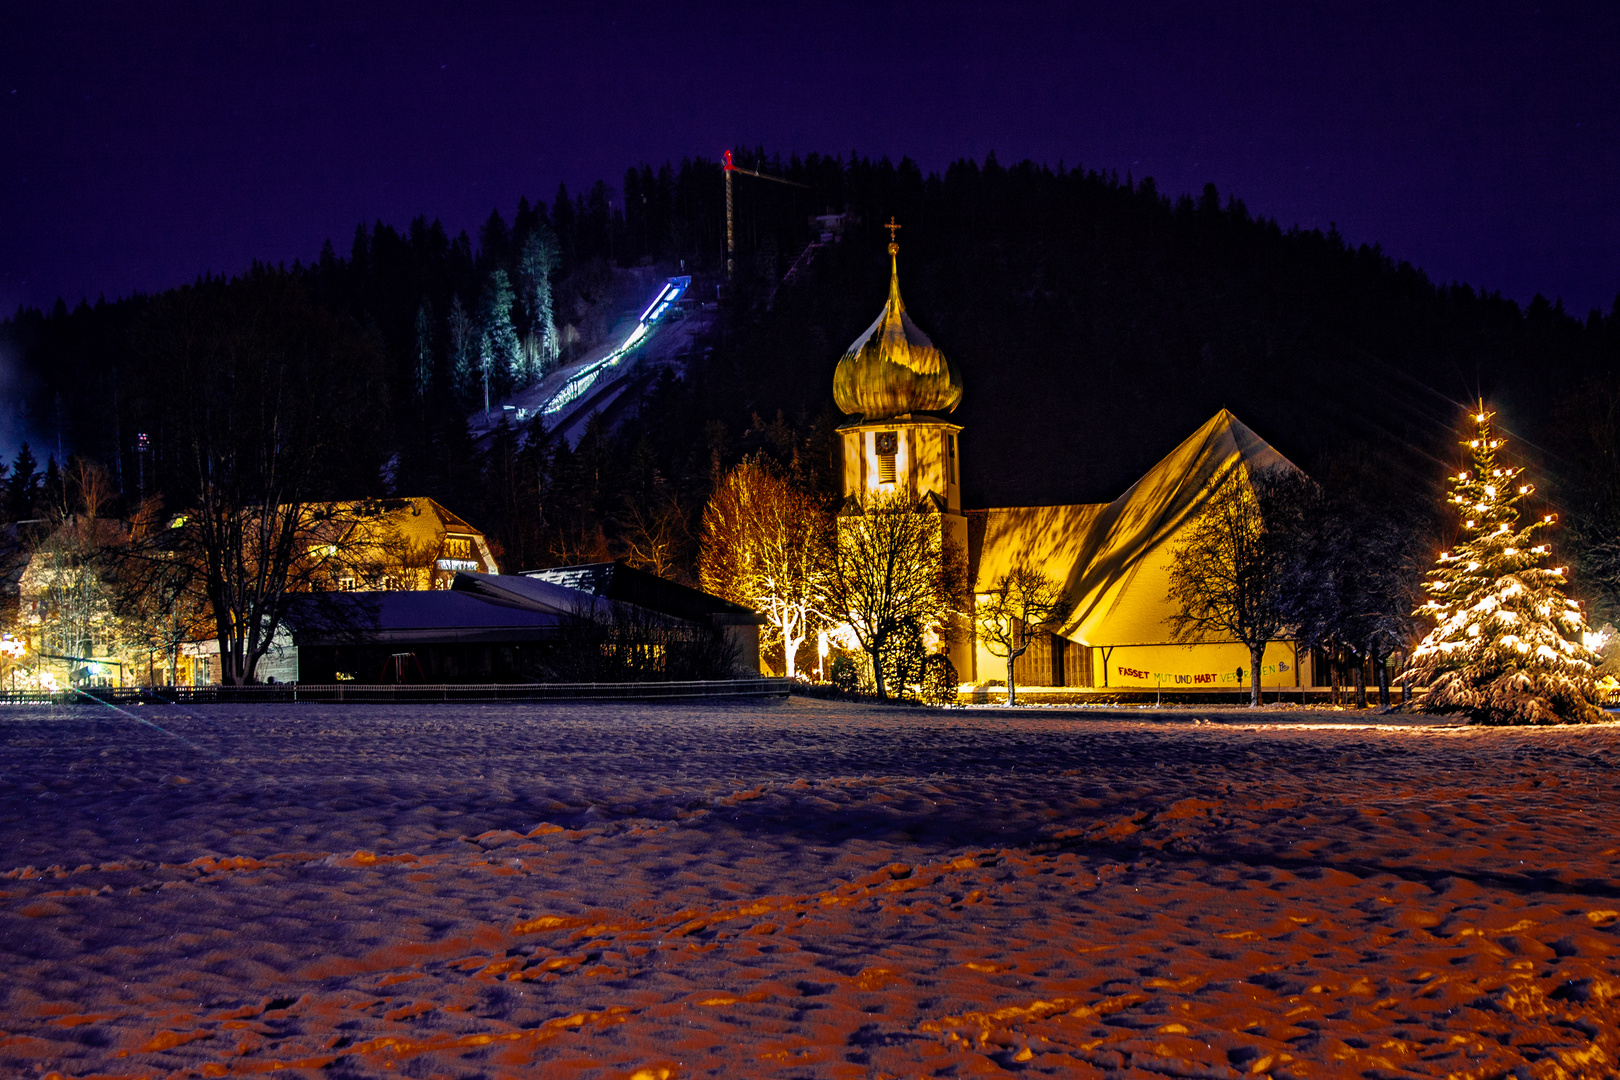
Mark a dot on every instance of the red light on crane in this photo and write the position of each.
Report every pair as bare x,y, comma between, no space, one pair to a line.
727,166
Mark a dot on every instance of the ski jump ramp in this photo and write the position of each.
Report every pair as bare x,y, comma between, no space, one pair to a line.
568,396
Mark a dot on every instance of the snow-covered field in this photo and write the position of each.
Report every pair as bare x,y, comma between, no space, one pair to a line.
800,888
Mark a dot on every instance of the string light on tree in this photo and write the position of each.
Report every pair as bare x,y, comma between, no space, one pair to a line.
1508,646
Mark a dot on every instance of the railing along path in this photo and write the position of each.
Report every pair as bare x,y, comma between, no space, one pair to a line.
384,693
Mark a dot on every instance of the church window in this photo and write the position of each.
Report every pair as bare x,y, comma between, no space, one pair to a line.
888,444
950,452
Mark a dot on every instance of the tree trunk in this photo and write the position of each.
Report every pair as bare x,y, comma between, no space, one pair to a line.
877,668
1383,684
1257,656
1361,682
1013,655
790,649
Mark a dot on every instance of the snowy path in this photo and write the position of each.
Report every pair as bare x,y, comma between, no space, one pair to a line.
799,888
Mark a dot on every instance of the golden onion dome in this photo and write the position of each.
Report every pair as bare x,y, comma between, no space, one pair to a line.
893,369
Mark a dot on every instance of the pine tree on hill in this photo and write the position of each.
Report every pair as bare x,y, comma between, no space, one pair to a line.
563,224
52,491
499,348
422,370
463,350
539,263
494,242
22,489
1507,647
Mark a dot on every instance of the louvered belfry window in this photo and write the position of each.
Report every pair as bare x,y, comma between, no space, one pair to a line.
887,445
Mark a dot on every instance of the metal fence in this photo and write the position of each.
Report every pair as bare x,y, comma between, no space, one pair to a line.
386,693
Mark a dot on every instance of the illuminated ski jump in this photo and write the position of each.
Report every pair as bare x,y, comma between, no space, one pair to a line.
580,383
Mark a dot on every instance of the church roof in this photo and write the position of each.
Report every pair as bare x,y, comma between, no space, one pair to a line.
1113,559
893,369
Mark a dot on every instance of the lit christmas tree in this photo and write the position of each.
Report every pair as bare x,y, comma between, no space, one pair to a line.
1508,646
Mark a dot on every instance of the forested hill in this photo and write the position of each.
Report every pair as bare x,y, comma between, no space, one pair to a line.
1096,322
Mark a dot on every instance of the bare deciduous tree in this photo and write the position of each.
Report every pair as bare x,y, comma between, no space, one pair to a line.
264,440
1020,602
892,566
1236,571
159,594
69,576
766,544
654,533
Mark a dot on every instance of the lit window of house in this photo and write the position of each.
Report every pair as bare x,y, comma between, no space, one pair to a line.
458,547
347,583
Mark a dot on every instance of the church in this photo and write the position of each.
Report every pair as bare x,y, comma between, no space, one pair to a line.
1111,560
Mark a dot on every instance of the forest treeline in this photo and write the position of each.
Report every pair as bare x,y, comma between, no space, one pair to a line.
1097,321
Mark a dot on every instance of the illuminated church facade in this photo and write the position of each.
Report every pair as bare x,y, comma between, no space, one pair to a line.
1111,560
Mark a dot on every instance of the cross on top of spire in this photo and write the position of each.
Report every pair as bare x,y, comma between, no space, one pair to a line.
893,227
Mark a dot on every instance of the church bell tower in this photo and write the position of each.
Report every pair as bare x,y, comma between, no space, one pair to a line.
897,388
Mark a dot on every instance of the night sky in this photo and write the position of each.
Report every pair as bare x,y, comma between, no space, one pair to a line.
144,144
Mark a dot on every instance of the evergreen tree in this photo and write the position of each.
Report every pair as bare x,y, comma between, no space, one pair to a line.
22,489
563,222
423,368
463,349
539,263
495,242
53,490
1507,647
498,347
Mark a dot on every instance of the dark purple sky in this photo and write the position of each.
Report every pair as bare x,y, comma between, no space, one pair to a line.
141,144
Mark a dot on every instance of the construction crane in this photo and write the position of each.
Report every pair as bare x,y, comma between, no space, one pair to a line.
728,168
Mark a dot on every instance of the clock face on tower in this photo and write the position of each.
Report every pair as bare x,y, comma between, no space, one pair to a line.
888,442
